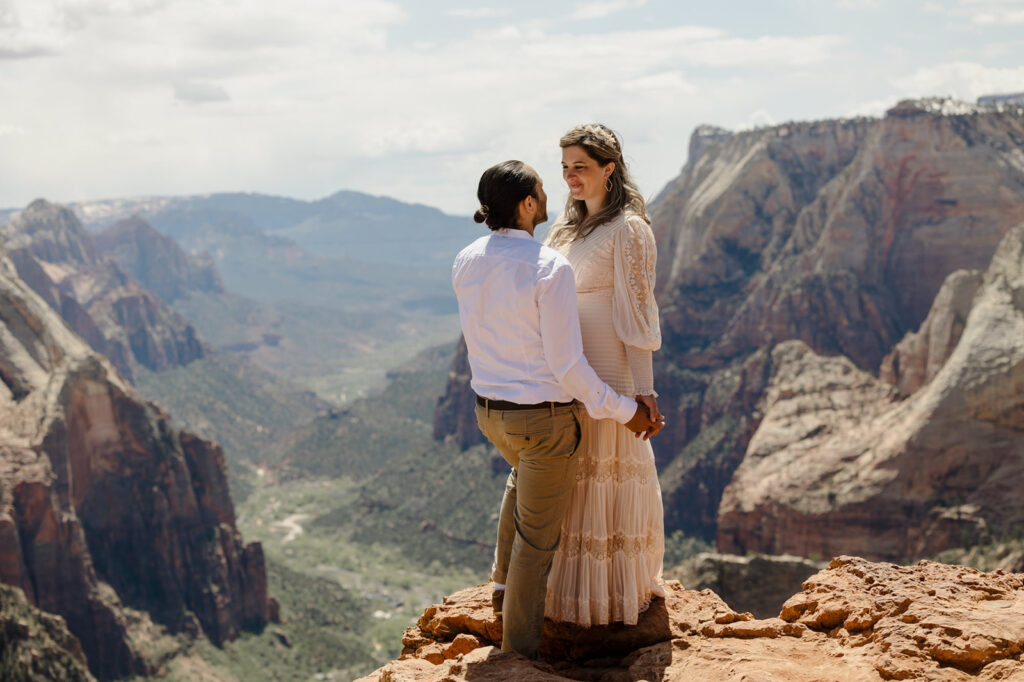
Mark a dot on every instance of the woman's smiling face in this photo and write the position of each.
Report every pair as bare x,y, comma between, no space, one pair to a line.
583,174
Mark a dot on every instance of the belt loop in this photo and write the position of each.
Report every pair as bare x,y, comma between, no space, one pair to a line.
551,407
487,407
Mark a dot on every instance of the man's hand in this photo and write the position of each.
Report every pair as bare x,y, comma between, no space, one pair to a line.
641,424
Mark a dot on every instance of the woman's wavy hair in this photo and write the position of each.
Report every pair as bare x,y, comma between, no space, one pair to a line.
601,144
502,187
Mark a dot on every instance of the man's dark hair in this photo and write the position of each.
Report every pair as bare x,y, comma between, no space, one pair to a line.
501,188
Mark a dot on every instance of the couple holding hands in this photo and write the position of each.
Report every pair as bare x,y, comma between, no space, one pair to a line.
560,337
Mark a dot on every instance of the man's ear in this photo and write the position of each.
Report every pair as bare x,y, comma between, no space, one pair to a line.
524,209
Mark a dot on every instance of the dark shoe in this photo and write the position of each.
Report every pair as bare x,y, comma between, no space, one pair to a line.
497,599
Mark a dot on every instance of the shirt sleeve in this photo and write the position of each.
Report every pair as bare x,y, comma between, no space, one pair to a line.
634,310
563,349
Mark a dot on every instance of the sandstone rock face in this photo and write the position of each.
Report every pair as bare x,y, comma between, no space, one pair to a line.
156,261
37,645
451,415
850,467
103,504
758,583
920,355
838,234
112,312
856,620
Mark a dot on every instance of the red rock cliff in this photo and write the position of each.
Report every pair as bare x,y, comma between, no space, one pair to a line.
103,504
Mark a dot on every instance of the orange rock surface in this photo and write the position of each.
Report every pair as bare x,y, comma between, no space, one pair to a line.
856,620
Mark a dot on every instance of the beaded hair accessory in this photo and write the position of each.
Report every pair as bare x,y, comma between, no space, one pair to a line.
484,210
603,134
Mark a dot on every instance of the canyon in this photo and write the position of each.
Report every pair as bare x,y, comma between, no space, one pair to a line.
827,289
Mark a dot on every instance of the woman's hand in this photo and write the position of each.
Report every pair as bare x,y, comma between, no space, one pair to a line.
656,416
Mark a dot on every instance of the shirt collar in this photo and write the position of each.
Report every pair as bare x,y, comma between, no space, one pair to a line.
511,232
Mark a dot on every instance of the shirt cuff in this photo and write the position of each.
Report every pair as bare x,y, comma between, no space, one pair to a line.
625,409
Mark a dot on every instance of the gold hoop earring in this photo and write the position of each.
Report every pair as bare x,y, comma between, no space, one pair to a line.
608,184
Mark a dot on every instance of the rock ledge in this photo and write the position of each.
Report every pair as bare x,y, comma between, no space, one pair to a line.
856,620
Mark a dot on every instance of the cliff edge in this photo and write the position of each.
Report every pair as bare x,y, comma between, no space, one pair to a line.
855,621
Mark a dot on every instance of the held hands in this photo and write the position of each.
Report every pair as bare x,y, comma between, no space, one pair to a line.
647,420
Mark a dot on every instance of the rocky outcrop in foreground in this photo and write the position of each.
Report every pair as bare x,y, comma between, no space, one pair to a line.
856,621
109,516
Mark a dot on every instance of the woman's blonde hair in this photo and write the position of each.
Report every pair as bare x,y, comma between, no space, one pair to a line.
601,144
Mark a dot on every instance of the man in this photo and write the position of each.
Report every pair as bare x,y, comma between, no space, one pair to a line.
517,306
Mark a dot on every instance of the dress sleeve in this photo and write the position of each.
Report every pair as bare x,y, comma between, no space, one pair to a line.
634,310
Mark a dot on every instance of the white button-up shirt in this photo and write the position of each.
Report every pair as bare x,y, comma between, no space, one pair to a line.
517,305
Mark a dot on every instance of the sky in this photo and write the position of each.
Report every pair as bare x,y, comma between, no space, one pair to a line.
413,99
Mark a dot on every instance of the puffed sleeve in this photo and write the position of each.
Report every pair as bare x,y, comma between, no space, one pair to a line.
634,310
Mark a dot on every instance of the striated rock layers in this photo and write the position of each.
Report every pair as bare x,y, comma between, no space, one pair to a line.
920,355
116,316
838,462
156,261
839,234
856,621
105,509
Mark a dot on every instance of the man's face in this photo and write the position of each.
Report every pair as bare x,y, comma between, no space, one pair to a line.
540,214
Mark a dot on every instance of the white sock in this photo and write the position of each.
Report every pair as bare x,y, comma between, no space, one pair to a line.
498,587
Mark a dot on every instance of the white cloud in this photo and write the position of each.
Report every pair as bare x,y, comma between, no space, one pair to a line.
666,82
598,10
198,96
196,92
858,4
11,130
135,138
759,118
1009,17
963,80
480,12
873,107
984,13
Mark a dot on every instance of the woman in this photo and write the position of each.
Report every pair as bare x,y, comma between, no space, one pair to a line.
608,565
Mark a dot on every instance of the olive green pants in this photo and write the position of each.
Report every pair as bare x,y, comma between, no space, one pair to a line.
540,445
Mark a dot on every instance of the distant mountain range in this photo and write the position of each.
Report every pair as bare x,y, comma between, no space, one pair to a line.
348,250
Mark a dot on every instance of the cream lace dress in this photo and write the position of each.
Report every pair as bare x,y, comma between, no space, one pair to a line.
608,565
